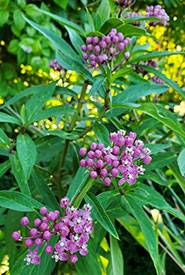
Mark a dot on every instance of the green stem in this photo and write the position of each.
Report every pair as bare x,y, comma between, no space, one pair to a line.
66,144
76,202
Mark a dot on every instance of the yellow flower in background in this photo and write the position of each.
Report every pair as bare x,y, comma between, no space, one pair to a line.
1,100
180,109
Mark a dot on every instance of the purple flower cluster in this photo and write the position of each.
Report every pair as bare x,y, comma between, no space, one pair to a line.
73,228
55,65
124,3
151,11
157,11
138,69
102,50
121,159
134,14
157,80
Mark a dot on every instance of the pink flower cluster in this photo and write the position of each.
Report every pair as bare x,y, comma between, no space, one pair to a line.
157,11
121,159
103,50
73,228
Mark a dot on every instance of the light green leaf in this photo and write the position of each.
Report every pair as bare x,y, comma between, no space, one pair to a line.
181,162
116,257
64,22
38,100
168,81
4,138
27,153
13,46
153,54
62,4
96,86
103,10
111,23
99,213
18,201
135,92
120,73
56,111
58,42
18,19
156,148
7,118
76,40
101,133
130,30
4,15
77,183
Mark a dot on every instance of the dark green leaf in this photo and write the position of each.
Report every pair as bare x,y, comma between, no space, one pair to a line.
19,174
64,135
156,148
4,167
100,214
103,10
96,86
44,190
18,201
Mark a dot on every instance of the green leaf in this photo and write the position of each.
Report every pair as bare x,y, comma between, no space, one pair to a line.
24,93
151,55
110,24
32,10
181,162
6,118
58,42
71,64
120,73
158,112
62,134
156,148
4,138
45,267
132,226
64,22
4,167
135,92
141,18
147,195
18,19
170,82
96,85
147,229
76,40
4,15
18,173
18,201
56,111
99,213
116,257
77,183
103,10
130,30
90,19
44,190
13,46
38,100
161,160
62,4
101,133
27,153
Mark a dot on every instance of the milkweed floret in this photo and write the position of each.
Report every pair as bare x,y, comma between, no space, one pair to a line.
73,228
124,158
103,50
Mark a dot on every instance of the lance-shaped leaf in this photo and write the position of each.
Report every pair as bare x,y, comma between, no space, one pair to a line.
153,54
181,162
18,201
116,257
7,118
101,133
100,215
27,153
